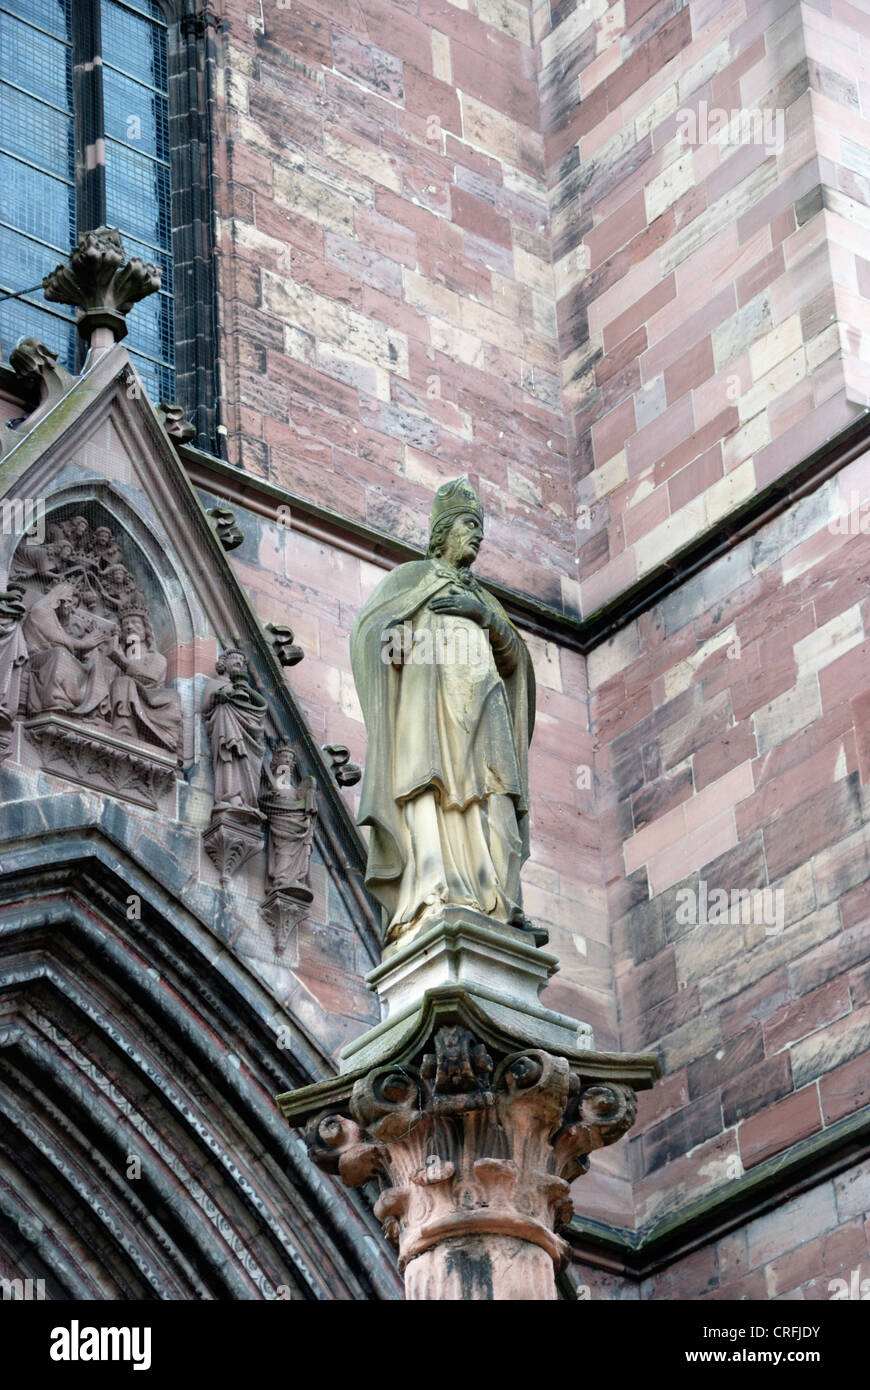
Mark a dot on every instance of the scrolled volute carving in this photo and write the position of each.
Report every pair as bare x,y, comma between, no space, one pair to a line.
338,1145
597,1115
388,1103
466,1148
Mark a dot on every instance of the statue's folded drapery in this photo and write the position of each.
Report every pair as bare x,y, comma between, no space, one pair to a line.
445,789
234,720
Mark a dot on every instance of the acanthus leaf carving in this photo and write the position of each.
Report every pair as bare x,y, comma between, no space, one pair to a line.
463,1148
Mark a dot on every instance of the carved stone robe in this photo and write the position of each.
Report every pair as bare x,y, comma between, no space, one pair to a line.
445,792
235,728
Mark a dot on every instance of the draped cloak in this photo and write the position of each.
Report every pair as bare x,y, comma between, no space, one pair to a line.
414,714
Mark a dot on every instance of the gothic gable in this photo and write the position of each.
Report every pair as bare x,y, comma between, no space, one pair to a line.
139,689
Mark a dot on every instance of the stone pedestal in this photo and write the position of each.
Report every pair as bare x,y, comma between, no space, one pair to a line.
473,1108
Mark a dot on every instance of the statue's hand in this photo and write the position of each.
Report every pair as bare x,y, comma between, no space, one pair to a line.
460,604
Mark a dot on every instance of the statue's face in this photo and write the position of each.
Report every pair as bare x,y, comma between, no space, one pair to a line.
102,535
133,627
234,664
463,540
79,526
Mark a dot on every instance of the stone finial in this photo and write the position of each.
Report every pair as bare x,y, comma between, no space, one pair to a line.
102,284
176,423
225,528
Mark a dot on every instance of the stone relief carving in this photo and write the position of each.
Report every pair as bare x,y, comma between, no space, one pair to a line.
13,656
91,680
90,638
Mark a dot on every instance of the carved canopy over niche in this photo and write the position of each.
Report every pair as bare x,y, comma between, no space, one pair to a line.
95,692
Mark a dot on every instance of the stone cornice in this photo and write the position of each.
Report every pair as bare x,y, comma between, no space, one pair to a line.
583,635
639,1254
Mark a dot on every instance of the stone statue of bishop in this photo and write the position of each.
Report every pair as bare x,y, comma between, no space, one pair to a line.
447,691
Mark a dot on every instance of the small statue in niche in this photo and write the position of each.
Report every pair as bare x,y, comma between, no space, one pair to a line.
291,807
235,716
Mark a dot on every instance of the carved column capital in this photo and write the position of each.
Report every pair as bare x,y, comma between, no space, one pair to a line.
474,1160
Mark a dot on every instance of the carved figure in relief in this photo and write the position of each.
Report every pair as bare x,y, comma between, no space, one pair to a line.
13,652
90,637
235,716
61,662
291,807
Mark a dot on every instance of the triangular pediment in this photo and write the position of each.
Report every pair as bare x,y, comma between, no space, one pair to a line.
102,734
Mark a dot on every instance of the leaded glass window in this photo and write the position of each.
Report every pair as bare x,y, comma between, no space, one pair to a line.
82,144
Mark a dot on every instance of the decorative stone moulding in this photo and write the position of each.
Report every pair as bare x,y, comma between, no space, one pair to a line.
224,526
102,283
176,423
285,911
101,761
473,1141
232,838
346,773
284,644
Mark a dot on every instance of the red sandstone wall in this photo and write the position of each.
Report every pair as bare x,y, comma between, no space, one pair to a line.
732,728
711,308
814,1247
384,268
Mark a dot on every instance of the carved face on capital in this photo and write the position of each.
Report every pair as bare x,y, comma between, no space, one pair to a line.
464,540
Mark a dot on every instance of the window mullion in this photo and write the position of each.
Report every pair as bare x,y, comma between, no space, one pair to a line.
90,121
